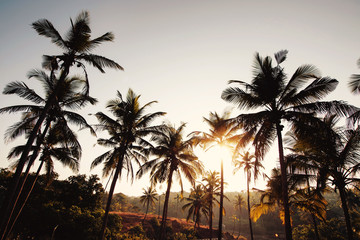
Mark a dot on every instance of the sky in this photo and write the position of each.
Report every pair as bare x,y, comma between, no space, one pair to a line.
181,54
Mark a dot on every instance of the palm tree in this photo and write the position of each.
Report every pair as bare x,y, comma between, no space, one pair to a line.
128,134
77,44
239,203
335,152
197,204
69,98
212,189
222,133
250,165
148,198
174,156
280,100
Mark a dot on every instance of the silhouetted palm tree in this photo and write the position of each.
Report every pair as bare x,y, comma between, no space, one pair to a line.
280,100
68,99
335,152
148,198
249,167
222,133
127,139
174,157
197,205
77,44
212,190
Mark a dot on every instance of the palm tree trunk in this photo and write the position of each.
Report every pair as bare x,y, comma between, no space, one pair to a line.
22,183
346,214
211,215
11,191
221,201
111,192
166,203
248,203
27,197
284,185
312,215
147,209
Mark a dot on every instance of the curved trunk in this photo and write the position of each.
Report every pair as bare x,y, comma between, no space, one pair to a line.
11,191
27,197
346,213
284,185
221,202
166,203
111,192
248,203
22,182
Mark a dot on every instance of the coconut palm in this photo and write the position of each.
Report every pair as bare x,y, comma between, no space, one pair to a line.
223,133
148,198
335,152
127,139
249,164
71,97
212,190
197,205
77,44
280,99
174,157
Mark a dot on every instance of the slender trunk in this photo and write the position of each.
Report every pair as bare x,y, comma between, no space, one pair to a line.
147,209
312,215
166,203
11,191
27,197
22,183
284,185
111,192
248,203
211,215
346,213
221,202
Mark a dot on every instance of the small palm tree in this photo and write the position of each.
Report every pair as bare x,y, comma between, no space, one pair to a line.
250,165
281,99
148,198
174,157
197,204
212,190
222,133
128,141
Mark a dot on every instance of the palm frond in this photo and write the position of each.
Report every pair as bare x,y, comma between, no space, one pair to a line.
45,28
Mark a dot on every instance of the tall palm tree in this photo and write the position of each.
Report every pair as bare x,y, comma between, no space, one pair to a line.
71,97
197,204
212,190
148,198
174,157
223,133
250,165
280,99
128,134
335,152
77,44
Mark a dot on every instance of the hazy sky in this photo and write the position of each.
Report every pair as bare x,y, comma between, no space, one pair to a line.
181,53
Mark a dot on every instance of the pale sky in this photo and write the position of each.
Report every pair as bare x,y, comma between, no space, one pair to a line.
181,53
